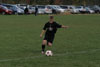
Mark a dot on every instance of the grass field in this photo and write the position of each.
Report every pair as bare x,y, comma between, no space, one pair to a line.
78,46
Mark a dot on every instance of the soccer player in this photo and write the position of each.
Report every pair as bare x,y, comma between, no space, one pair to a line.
50,29
36,10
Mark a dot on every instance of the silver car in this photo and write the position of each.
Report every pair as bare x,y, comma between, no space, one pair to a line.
31,9
44,9
57,8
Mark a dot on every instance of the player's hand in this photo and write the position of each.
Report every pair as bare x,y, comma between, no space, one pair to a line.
65,26
40,35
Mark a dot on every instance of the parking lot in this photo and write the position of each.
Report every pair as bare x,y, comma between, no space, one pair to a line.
19,9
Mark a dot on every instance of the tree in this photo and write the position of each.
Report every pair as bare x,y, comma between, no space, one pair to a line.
51,2
57,2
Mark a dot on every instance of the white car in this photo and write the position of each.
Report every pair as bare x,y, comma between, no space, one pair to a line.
64,7
48,10
22,6
89,10
57,8
31,10
19,10
42,9
72,9
80,8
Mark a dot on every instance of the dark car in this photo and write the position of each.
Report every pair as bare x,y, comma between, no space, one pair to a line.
5,10
96,8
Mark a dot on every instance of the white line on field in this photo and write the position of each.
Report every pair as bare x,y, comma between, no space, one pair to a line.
67,53
78,52
4,60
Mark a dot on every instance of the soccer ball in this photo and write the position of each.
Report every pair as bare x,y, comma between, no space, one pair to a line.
48,53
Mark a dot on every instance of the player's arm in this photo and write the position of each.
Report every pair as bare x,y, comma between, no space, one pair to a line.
63,26
44,30
42,33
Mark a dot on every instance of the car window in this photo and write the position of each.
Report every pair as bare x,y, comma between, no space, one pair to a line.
57,7
49,7
31,7
70,8
9,7
79,7
64,7
41,7
4,7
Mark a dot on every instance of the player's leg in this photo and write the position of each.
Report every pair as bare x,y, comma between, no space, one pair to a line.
43,45
35,13
50,40
49,44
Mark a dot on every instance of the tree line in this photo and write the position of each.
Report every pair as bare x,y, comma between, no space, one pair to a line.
51,2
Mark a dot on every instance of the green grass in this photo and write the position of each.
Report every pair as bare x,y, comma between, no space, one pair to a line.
77,46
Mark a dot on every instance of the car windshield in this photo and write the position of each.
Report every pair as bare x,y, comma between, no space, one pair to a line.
57,7
64,7
89,8
15,6
41,7
31,7
4,7
49,7
78,7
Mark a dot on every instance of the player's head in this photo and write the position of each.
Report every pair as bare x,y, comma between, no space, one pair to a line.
51,18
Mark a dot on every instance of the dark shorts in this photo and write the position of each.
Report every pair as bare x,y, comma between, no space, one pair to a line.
49,38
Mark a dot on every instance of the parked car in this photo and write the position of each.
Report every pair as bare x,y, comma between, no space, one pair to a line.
56,9
96,8
81,9
72,9
22,6
64,7
48,10
14,8
31,9
5,10
84,9
42,9
89,10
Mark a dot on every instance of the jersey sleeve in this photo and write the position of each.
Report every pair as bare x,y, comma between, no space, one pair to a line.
58,25
45,26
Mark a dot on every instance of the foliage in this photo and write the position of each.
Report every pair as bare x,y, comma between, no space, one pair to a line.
43,2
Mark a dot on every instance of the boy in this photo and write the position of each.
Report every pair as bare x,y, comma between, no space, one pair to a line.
50,30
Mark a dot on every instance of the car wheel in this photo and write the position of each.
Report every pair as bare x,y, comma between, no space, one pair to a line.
89,12
16,13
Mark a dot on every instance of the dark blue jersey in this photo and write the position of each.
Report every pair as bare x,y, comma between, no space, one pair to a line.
51,28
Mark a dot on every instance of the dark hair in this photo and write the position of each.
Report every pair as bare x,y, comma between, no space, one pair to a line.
51,17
